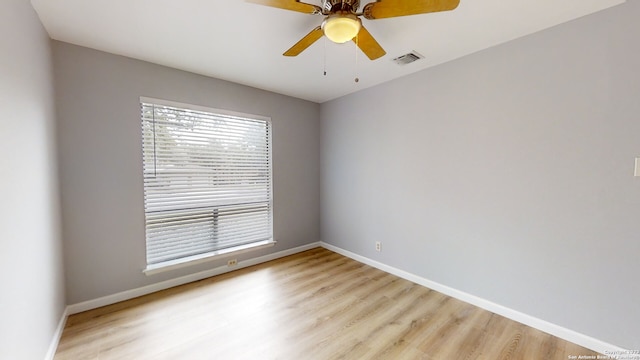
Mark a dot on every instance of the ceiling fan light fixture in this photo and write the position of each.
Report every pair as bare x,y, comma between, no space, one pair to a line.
341,27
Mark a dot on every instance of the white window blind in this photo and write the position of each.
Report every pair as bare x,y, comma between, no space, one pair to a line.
207,180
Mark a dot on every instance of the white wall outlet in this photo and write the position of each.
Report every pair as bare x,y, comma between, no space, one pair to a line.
378,246
637,171
232,262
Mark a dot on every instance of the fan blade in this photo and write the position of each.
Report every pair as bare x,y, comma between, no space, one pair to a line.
368,44
305,42
392,8
293,5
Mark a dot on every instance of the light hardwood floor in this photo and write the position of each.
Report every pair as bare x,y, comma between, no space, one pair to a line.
312,305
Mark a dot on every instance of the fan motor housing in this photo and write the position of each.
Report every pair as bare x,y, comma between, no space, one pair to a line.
340,5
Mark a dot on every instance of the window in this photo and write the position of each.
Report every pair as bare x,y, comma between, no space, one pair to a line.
207,182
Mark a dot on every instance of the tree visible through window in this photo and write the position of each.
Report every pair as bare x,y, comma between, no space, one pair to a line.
207,181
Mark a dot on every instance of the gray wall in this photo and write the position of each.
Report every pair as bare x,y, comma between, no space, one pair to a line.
31,269
100,157
507,174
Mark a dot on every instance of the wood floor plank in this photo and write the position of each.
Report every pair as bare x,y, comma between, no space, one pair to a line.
312,305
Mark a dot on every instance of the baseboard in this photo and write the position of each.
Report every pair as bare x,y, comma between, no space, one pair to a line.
542,325
133,293
57,335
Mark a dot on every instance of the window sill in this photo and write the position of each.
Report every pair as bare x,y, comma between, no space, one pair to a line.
201,258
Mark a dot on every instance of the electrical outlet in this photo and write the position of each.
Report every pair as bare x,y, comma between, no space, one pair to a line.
378,246
232,262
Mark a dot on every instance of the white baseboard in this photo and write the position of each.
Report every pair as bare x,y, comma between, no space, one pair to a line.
133,293
542,325
57,335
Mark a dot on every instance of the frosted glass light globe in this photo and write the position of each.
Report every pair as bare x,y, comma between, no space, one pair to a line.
341,28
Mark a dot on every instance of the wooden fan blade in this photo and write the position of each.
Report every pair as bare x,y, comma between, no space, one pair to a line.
368,44
392,8
305,42
293,5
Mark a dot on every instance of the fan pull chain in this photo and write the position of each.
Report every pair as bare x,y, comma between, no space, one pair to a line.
356,69
325,57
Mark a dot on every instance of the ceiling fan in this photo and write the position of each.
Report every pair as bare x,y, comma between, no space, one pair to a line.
342,22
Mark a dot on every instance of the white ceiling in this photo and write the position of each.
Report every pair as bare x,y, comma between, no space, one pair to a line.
243,42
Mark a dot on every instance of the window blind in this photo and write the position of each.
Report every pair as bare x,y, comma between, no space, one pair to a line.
207,180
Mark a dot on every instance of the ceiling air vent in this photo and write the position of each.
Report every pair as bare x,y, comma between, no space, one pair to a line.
408,58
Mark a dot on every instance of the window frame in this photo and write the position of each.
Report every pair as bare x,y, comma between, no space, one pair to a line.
194,259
